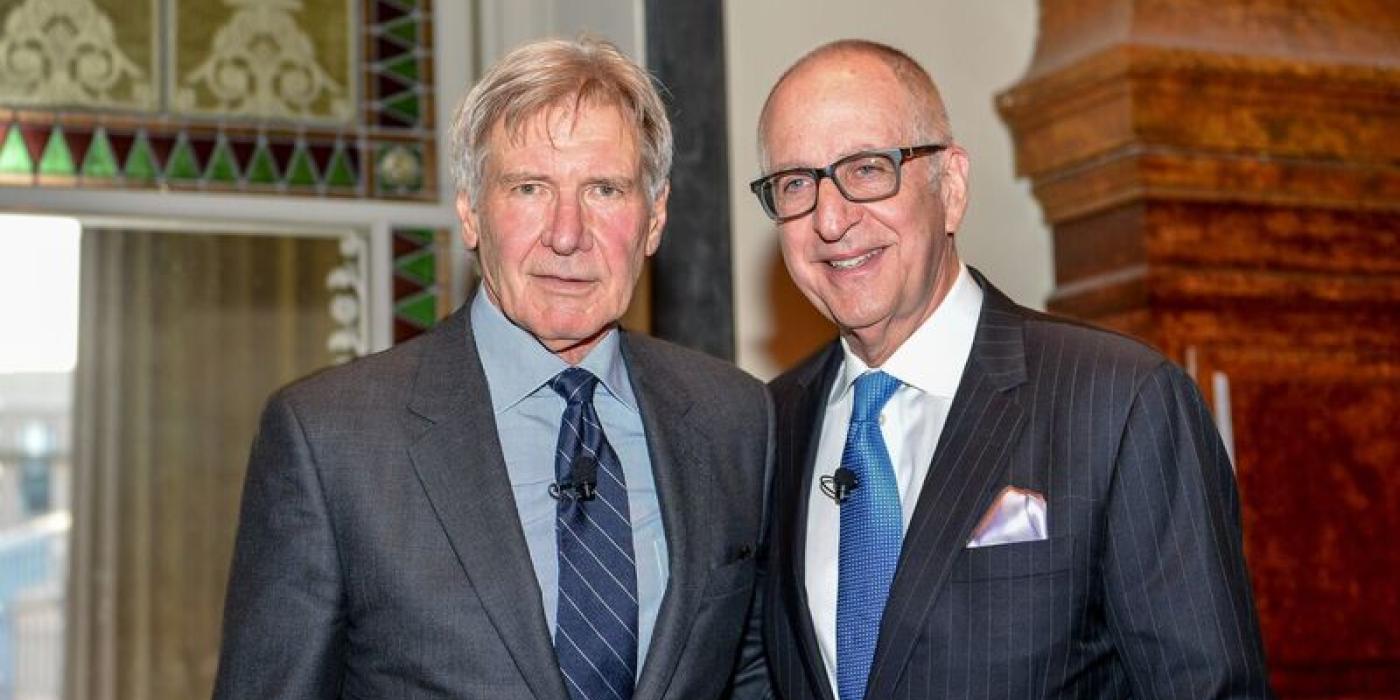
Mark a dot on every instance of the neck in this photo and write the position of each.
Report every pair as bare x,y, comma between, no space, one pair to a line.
572,351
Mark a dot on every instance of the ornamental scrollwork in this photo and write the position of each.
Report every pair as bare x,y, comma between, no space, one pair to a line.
262,64
66,52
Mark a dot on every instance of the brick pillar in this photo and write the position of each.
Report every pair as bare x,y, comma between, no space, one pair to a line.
1223,180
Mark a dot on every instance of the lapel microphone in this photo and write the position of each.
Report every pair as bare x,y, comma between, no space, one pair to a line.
584,484
839,485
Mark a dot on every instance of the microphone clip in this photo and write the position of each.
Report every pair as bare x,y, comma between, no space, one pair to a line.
839,485
564,490
583,485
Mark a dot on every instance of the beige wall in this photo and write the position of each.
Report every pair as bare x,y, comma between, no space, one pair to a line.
973,50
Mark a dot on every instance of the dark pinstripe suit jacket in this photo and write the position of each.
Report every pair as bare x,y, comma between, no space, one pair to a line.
1141,589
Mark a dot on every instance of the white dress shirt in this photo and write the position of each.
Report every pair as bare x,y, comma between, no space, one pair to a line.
929,364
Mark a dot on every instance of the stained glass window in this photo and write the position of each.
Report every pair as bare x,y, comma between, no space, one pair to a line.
299,97
420,294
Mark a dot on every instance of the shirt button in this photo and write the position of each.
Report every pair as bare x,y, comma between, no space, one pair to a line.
882,418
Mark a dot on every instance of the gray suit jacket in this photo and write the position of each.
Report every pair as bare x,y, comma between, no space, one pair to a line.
379,554
1139,591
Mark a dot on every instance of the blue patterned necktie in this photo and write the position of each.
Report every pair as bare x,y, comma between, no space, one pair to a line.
872,529
596,626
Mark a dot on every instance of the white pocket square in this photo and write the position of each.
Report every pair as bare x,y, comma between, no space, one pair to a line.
1018,515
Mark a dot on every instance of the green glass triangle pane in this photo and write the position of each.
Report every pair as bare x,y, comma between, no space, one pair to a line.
422,236
301,172
420,267
262,169
406,104
338,173
405,29
100,161
182,164
420,309
56,158
141,161
223,167
404,66
14,157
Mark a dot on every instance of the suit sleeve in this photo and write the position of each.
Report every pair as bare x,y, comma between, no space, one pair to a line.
751,680
283,624
1178,595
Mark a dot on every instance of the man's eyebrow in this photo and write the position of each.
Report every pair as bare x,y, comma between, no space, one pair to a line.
515,176
785,167
623,181
789,165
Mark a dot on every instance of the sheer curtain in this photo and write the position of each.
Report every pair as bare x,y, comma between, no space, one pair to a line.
181,338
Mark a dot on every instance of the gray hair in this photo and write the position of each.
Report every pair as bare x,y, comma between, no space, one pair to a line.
930,117
553,73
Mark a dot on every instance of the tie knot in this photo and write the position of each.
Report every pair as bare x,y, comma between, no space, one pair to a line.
575,384
873,391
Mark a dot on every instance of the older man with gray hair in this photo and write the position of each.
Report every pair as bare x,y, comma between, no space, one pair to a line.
527,501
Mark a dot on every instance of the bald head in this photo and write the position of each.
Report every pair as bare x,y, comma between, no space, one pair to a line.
927,115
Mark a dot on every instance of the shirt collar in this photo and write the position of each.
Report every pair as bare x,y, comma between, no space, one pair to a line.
933,357
517,365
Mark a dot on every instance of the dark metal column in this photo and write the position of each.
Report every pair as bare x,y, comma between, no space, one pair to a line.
692,288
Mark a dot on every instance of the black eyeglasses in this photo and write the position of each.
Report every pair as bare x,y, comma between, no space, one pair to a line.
864,177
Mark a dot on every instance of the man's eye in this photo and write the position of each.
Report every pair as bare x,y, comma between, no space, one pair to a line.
794,184
608,191
871,169
528,188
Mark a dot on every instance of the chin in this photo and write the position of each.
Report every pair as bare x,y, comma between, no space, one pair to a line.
857,318
570,329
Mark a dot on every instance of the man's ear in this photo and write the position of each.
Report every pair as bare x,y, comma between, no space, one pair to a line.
471,237
952,187
657,222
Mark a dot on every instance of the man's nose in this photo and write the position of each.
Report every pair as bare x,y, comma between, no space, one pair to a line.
567,232
834,214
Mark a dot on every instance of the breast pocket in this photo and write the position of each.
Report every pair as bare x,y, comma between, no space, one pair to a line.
730,578
1007,605
1010,561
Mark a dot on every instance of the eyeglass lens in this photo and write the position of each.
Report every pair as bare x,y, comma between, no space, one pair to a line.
862,177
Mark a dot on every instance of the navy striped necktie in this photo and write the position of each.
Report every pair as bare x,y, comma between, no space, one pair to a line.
596,625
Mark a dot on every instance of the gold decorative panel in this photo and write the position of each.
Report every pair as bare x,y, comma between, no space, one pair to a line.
306,98
93,54
273,59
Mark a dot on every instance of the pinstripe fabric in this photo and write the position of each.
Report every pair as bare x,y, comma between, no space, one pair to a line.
596,629
1141,589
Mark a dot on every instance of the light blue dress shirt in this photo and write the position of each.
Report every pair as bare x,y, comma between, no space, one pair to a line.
528,415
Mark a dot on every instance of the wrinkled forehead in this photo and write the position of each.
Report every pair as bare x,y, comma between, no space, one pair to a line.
563,117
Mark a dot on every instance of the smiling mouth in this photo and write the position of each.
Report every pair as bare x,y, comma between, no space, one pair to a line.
852,263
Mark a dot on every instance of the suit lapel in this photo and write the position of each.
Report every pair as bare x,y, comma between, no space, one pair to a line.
972,453
683,475
459,462
801,435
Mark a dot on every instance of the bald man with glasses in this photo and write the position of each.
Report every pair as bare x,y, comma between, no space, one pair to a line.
972,499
